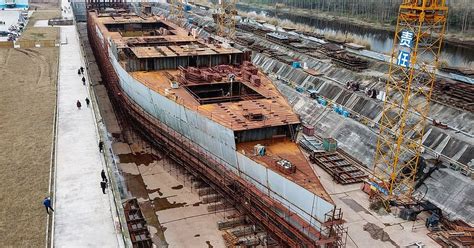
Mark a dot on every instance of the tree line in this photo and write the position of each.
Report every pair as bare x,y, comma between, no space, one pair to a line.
460,16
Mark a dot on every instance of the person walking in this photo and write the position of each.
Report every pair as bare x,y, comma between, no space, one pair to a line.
83,80
82,70
78,104
103,185
87,102
104,177
79,72
101,146
47,204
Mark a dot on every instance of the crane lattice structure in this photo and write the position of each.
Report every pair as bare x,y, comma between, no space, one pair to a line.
226,20
176,9
415,56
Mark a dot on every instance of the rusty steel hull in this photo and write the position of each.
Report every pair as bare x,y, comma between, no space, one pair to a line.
294,229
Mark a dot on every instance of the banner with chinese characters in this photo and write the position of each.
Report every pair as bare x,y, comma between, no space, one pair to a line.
405,45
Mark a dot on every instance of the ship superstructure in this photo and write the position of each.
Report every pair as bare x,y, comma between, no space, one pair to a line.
224,120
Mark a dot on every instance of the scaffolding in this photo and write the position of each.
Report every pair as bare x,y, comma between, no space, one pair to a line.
176,8
415,56
226,18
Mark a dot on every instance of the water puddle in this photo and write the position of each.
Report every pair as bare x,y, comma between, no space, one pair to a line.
151,191
378,233
162,203
177,187
135,185
138,158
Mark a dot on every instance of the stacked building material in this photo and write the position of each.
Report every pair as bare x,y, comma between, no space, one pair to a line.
461,71
348,61
455,233
338,167
458,94
244,40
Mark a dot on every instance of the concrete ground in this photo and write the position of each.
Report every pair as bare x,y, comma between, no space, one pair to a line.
367,228
84,216
10,17
171,206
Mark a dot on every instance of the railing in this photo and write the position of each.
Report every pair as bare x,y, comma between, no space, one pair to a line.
29,43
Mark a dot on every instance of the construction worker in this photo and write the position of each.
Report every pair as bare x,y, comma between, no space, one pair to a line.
87,102
47,204
101,146
83,80
82,70
104,177
78,104
79,72
103,185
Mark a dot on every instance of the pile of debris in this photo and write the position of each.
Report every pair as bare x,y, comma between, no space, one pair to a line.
349,61
454,234
457,94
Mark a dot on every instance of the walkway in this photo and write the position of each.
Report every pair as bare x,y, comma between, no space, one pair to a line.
83,216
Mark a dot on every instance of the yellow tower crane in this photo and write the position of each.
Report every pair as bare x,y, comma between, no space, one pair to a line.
414,59
226,20
176,9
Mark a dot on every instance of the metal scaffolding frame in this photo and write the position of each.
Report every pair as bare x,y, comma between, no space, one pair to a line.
412,73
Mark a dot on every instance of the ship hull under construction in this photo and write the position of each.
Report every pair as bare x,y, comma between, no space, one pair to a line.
296,216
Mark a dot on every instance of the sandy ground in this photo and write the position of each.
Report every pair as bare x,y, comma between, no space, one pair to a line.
27,102
41,33
27,99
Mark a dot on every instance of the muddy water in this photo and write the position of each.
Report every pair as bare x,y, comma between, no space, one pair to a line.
177,187
162,203
379,40
138,158
155,190
378,233
135,185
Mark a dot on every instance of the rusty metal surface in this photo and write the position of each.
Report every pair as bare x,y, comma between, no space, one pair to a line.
274,107
338,167
279,149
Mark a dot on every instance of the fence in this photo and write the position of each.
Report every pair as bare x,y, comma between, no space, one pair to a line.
29,43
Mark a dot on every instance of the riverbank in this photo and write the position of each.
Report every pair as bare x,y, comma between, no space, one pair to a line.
454,38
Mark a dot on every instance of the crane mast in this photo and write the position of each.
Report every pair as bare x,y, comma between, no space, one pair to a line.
177,8
226,18
414,58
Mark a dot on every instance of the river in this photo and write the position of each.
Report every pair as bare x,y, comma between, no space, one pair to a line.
379,40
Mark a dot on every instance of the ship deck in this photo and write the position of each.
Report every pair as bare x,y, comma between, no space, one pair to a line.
233,115
286,149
